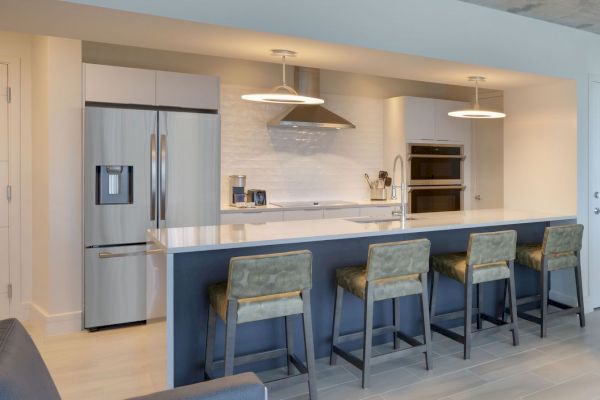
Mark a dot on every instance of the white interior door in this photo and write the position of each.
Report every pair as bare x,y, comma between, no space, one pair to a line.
4,203
593,228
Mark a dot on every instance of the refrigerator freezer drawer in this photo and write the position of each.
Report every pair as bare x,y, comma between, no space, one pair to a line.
115,285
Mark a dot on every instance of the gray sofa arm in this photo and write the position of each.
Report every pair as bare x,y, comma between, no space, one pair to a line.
244,386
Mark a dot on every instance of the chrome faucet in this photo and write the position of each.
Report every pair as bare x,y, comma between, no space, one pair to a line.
403,206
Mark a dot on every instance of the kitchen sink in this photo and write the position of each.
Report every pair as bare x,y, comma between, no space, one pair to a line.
367,220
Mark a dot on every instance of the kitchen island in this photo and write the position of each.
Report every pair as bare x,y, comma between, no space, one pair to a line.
199,256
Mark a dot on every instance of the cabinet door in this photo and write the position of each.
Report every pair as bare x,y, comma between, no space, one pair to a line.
251,217
294,215
419,121
376,211
108,84
341,212
187,90
451,129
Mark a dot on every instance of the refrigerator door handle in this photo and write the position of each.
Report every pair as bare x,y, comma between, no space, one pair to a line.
163,177
153,175
108,254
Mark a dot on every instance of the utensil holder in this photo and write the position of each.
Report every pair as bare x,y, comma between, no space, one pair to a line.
379,193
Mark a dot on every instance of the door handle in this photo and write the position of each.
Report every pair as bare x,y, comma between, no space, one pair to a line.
163,177
108,254
153,174
596,210
478,197
596,195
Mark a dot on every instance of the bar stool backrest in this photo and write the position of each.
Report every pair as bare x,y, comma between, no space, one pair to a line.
491,247
263,275
387,260
562,239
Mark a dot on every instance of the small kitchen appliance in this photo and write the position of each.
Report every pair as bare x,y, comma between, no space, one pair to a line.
257,196
237,189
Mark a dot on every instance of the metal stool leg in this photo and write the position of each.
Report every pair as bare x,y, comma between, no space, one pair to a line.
579,295
368,337
426,322
309,348
513,304
468,311
479,305
337,318
396,308
230,328
289,343
544,300
434,287
211,332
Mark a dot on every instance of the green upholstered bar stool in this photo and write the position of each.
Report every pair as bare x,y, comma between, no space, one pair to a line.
393,270
258,288
489,257
559,250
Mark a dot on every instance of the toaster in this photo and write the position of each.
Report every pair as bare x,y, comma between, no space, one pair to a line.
257,196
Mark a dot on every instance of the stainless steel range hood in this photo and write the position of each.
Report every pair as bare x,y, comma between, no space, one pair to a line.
307,82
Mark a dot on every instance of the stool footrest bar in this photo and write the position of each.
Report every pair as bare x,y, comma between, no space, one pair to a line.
452,315
249,358
349,337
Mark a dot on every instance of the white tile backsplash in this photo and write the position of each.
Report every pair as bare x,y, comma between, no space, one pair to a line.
300,164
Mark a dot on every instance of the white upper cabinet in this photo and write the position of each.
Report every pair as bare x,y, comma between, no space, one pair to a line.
418,118
120,85
187,90
108,84
449,128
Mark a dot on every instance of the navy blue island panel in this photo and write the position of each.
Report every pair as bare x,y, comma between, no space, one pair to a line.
193,272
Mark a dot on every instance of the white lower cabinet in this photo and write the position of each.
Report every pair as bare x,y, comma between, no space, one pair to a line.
294,215
257,217
251,217
376,211
341,212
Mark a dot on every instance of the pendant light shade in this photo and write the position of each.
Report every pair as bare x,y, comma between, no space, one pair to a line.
282,94
476,112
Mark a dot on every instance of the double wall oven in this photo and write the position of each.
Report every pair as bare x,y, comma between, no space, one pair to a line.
435,177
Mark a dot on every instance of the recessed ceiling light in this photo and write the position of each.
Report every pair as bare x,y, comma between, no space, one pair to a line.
282,94
476,112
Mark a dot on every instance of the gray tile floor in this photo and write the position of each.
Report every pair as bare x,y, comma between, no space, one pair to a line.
565,365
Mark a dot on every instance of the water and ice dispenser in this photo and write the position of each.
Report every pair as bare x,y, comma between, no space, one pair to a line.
114,184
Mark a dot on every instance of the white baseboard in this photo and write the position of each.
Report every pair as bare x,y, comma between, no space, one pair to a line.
567,299
55,324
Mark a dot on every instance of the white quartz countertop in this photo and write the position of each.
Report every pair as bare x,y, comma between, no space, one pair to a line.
225,209
216,237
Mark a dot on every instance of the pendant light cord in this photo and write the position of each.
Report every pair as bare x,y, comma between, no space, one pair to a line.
283,66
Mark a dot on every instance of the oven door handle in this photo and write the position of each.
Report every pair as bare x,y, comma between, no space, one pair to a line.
461,187
443,156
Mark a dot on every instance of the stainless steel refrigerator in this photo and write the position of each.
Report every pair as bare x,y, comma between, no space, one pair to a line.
144,168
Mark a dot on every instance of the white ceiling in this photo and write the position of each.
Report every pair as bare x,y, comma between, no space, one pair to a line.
579,14
60,18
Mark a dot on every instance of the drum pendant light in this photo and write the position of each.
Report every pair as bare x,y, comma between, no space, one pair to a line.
476,112
282,94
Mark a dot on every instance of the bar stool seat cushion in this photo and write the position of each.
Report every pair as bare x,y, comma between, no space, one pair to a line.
530,255
354,280
455,266
255,308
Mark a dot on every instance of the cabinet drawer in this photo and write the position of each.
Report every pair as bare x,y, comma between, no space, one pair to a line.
108,84
341,212
376,211
251,217
294,215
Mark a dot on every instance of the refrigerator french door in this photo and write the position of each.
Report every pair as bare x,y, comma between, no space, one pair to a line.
144,168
